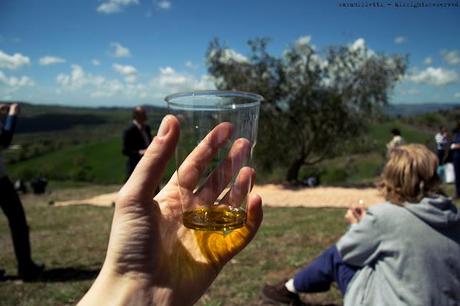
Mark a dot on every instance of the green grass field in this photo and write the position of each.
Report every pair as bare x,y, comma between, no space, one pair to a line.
71,241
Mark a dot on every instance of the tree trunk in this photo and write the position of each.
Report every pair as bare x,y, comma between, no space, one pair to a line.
292,174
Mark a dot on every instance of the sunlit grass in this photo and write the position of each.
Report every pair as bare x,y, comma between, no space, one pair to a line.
72,241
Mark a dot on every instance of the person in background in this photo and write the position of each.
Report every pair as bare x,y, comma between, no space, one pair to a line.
455,149
136,139
11,203
152,259
395,141
402,252
442,142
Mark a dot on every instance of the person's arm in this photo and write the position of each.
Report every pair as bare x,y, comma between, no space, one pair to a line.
455,146
360,244
355,213
6,134
152,259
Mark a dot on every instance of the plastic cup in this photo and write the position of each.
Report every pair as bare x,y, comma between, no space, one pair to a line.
213,198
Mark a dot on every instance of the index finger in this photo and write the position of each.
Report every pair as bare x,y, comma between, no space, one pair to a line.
189,173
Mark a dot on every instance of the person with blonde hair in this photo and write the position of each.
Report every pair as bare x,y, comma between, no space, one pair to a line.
403,252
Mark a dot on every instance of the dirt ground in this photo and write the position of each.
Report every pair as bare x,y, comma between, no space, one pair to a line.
278,196
282,196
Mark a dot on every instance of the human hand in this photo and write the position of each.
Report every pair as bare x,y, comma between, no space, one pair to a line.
152,258
355,213
14,109
141,152
455,146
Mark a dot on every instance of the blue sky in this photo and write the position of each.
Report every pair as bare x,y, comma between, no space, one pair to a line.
129,52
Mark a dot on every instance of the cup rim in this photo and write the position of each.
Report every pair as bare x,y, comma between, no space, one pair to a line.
256,98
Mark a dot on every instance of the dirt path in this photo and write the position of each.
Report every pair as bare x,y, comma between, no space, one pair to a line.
277,196
281,196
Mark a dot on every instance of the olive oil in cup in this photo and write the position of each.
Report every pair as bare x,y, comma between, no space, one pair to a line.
217,129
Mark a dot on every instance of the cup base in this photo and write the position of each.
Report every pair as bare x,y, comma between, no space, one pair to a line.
215,218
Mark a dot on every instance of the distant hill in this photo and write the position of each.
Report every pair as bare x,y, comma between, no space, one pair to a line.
72,143
405,110
46,118
84,143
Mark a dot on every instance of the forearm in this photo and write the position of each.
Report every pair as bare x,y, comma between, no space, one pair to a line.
113,290
6,135
116,290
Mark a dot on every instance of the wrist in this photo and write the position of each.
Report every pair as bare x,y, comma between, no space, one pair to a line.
112,289
13,111
115,289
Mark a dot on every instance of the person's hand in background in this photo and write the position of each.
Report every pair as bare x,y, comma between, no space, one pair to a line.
14,109
355,213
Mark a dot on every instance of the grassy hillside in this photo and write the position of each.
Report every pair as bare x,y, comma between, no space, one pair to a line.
98,161
84,144
72,143
363,159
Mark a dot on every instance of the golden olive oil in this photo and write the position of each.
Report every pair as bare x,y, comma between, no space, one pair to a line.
214,218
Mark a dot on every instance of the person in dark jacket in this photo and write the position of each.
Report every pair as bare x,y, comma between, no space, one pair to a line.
136,139
12,206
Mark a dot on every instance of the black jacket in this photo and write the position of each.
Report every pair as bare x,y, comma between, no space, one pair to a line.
132,143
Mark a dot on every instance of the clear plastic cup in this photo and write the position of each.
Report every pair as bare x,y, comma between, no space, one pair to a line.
216,198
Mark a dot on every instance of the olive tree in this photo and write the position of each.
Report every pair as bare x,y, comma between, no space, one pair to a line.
314,101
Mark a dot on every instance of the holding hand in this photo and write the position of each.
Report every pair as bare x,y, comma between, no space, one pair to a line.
355,213
14,109
152,259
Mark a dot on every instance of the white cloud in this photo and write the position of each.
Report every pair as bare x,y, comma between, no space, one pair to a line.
166,81
169,81
95,62
191,65
164,4
230,55
451,57
304,40
108,89
400,40
14,81
359,44
457,95
119,50
115,6
434,76
360,48
127,71
13,61
428,61
51,60
76,79
98,86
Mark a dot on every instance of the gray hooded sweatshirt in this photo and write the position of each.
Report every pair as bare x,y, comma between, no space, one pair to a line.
407,255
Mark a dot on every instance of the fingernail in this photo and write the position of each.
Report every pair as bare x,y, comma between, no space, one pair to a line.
164,128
